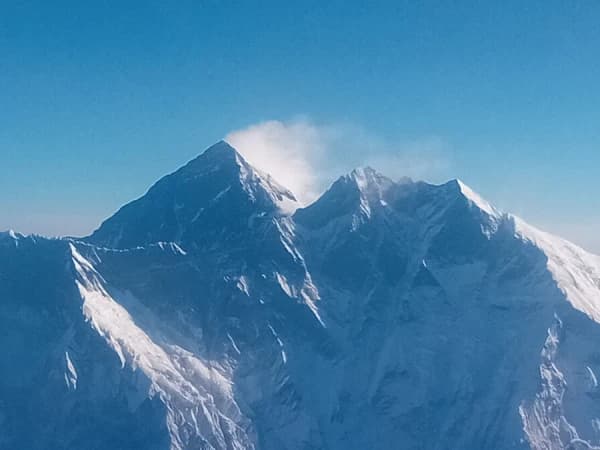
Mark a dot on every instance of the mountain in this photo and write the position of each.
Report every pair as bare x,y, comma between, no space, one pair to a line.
213,313
194,204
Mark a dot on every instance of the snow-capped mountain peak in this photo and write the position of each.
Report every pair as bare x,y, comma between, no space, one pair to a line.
367,177
356,196
217,192
384,315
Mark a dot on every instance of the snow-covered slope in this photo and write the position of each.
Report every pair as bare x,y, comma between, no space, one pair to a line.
209,315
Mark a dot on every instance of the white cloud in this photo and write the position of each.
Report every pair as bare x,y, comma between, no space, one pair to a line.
306,157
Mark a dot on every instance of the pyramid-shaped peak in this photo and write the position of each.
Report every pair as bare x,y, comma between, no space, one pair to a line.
222,162
473,197
221,148
356,194
367,181
367,175
212,195
366,171
219,153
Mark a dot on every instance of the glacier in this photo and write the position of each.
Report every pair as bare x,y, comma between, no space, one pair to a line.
216,312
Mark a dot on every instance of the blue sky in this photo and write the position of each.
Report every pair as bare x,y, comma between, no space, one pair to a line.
99,99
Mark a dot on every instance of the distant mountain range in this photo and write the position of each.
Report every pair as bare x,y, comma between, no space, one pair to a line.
215,313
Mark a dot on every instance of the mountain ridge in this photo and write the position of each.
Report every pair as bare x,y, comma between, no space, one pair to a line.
386,314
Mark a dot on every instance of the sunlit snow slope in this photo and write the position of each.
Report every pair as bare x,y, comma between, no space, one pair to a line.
211,313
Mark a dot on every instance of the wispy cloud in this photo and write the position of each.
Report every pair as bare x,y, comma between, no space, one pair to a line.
306,156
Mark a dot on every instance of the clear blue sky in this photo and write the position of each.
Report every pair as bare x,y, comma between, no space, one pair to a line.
99,99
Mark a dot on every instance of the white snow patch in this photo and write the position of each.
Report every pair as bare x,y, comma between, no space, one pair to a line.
179,250
242,285
175,248
310,295
197,215
279,341
221,194
592,378
283,283
233,344
70,373
286,233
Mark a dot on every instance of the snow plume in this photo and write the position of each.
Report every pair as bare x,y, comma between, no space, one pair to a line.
287,151
306,157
